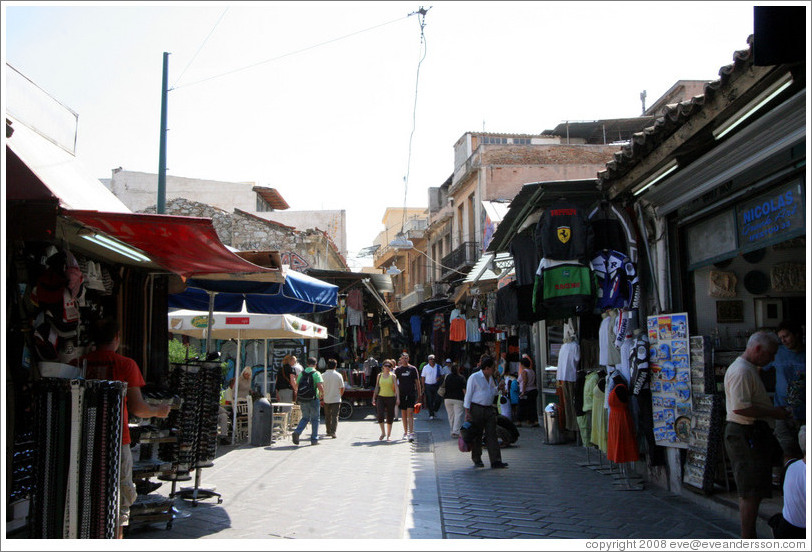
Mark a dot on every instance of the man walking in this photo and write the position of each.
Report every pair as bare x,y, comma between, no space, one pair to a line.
410,390
309,389
748,438
430,378
479,410
333,391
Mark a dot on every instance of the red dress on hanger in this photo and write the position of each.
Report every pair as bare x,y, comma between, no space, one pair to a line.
622,444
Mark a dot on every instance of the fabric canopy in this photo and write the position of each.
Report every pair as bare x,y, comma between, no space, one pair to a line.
244,325
187,246
298,294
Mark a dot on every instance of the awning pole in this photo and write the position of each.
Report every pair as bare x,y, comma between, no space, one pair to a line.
265,382
209,324
237,376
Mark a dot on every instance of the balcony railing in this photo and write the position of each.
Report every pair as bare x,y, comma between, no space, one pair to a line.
464,256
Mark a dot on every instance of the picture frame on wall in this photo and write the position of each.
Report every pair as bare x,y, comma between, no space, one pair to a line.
730,312
769,311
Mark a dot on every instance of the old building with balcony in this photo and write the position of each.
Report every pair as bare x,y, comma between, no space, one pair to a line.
401,253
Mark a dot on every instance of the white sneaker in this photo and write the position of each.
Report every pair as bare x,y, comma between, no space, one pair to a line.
411,437
405,436
431,417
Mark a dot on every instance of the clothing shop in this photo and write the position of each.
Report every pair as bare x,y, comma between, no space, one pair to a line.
725,234
676,224
360,328
576,288
75,254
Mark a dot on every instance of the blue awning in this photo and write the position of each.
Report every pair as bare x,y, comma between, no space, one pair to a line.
298,294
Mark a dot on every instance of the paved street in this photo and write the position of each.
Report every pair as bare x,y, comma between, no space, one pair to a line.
358,487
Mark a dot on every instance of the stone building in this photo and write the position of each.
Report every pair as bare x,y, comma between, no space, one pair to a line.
137,190
301,249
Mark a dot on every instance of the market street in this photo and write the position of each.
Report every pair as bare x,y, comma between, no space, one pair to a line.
358,486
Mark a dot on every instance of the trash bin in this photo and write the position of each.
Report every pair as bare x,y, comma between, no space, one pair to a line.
553,432
261,423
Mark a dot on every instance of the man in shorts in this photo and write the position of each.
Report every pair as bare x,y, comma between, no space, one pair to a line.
748,406
410,389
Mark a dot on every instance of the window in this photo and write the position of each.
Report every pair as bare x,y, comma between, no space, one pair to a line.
493,140
262,205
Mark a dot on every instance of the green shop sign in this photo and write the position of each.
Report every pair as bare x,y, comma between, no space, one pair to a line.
771,217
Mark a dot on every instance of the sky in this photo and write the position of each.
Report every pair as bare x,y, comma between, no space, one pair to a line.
344,105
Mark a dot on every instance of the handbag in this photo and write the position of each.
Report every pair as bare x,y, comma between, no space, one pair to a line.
463,445
441,390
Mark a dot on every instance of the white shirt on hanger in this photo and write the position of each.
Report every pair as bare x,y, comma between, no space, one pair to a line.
568,357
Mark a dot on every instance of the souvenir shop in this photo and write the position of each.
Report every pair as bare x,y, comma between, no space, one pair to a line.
575,291
361,329
66,268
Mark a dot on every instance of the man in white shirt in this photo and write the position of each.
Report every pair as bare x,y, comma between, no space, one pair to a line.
430,377
333,391
480,393
296,366
746,431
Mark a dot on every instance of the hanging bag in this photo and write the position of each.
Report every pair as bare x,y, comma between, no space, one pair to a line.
441,390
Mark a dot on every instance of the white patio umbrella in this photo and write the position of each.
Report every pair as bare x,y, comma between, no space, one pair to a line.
243,325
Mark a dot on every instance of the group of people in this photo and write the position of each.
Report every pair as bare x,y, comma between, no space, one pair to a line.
752,444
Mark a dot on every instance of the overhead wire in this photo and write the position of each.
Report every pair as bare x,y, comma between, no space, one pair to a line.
220,75
198,50
424,46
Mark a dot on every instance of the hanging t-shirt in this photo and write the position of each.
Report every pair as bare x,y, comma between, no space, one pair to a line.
355,299
472,334
640,377
525,257
613,229
616,278
507,305
563,233
603,341
458,330
568,357
414,322
563,289
354,316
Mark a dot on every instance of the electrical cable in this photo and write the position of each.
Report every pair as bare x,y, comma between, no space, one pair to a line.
440,264
290,53
424,45
198,50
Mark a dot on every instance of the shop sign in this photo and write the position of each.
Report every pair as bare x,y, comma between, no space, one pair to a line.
235,320
200,321
771,215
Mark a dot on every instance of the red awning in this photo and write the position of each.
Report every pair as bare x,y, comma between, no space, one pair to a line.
187,246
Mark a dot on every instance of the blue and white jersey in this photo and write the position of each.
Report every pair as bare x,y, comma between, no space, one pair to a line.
617,280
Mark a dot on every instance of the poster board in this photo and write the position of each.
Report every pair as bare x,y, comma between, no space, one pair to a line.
670,363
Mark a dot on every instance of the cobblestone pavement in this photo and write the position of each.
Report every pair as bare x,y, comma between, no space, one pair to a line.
359,487
547,493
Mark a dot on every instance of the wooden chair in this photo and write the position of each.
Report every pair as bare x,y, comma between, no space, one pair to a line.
242,431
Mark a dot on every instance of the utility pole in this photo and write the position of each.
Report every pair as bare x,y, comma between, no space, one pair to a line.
643,99
161,206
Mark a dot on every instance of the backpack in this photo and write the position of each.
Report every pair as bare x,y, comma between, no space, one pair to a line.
307,387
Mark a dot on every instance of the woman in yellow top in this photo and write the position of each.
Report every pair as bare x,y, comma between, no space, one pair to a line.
385,397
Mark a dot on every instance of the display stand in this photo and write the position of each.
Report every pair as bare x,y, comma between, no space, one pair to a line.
198,384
